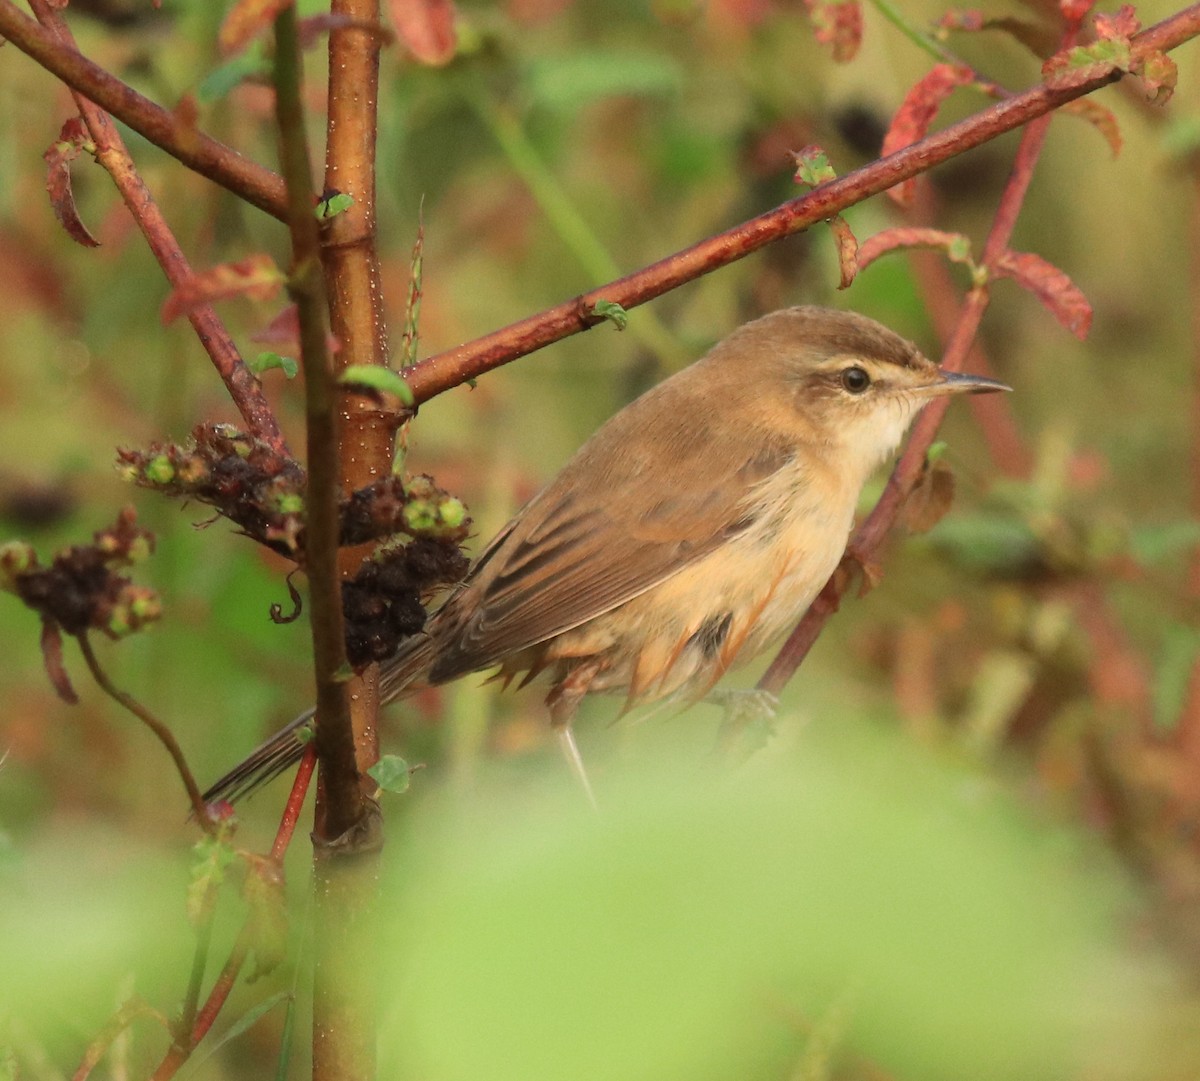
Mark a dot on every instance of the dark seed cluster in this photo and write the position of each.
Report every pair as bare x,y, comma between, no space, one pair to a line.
242,478
83,588
382,603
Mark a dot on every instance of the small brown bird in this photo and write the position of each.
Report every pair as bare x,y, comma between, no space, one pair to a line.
691,531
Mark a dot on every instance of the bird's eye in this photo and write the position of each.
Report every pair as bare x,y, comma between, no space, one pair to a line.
855,380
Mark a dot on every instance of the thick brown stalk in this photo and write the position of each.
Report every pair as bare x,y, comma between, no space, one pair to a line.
344,803
199,152
356,305
346,889
111,153
445,370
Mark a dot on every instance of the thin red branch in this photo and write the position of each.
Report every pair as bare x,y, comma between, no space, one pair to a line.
295,801
199,152
165,736
869,538
438,373
111,153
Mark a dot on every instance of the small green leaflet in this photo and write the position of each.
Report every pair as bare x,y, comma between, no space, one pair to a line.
334,204
392,773
377,378
264,362
613,312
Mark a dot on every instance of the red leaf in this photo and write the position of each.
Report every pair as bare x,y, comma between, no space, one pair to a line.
1074,11
1100,118
427,29
283,332
847,247
256,277
1120,26
838,25
58,157
52,659
1159,75
956,246
916,113
1063,298
245,21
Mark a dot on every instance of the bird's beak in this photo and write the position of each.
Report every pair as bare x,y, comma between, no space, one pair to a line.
962,383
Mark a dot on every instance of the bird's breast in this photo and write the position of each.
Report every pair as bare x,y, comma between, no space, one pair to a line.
680,636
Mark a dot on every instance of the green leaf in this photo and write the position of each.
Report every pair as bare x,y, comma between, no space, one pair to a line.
377,378
565,82
1177,656
248,65
392,773
1155,543
613,312
243,1024
264,362
335,204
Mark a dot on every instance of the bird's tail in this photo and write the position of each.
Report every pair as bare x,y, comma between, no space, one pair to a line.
285,748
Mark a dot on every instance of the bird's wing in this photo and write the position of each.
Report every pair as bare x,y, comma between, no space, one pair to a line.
615,523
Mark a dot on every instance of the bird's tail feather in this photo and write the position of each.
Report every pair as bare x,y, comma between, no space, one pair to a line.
285,747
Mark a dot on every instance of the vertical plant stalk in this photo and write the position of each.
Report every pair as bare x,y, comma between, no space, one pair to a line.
344,804
111,153
352,448
365,433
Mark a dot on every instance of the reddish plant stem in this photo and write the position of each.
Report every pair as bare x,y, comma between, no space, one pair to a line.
131,1011
345,878
199,152
344,801
940,295
164,734
439,373
111,153
295,801
356,305
867,541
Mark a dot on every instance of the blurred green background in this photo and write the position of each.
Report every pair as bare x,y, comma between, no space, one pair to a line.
1009,726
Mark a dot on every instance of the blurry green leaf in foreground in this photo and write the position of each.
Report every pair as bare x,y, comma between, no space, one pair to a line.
709,926
81,912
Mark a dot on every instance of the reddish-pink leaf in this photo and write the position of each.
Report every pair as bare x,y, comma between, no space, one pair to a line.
52,659
1120,26
1075,10
256,277
847,248
1159,75
58,157
1061,296
427,29
838,25
956,246
245,21
283,332
916,113
1100,118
